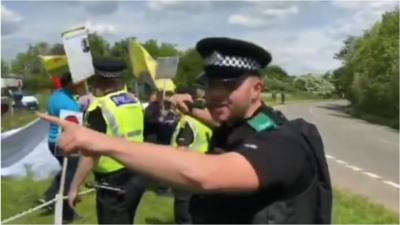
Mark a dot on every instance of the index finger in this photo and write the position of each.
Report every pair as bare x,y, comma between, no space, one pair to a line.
52,119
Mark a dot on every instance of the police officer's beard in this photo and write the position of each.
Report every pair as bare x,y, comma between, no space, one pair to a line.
236,112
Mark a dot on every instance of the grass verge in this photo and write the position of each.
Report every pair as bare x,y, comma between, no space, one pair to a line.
21,194
21,117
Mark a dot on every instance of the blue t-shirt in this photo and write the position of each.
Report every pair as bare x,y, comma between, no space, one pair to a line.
60,99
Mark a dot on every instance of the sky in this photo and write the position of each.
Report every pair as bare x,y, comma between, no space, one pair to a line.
302,36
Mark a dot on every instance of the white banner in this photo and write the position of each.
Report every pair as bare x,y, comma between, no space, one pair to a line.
167,67
77,49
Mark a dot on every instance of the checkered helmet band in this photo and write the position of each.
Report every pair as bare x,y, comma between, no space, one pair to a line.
217,59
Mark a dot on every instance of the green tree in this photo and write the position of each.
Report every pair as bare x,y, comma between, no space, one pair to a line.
370,73
275,72
277,79
5,68
315,85
99,46
57,49
189,68
120,50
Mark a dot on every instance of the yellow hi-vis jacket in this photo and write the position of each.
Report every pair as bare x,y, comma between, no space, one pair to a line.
201,134
124,117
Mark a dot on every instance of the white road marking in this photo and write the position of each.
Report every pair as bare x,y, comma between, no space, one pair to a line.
372,175
357,169
392,184
329,157
341,162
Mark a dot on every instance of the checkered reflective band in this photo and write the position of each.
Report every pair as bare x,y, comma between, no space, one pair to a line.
217,59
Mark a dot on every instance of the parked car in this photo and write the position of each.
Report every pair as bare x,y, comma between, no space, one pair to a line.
23,99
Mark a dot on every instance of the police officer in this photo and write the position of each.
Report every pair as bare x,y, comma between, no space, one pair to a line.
116,113
192,134
265,173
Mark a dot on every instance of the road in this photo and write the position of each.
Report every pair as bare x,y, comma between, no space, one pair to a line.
363,158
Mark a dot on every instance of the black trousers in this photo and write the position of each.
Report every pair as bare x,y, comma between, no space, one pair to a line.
114,207
181,207
52,190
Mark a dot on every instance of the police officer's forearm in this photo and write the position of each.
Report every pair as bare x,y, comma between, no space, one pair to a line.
185,169
85,166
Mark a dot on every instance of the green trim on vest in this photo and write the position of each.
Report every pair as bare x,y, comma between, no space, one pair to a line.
262,122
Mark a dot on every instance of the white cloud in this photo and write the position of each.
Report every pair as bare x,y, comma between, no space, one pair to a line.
348,5
281,12
263,17
9,15
365,14
163,4
10,21
246,21
99,28
301,36
308,51
360,4
101,7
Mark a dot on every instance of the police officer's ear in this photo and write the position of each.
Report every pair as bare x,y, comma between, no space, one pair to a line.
257,86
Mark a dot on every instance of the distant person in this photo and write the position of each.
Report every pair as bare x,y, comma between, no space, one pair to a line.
61,99
273,96
283,98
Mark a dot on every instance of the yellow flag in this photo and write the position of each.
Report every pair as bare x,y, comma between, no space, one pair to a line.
141,60
165,84
53,62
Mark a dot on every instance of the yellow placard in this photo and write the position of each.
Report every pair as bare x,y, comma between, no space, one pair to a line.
165,84
53,62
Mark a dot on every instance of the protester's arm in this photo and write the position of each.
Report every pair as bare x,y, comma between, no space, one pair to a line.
184,169
204,116
181,100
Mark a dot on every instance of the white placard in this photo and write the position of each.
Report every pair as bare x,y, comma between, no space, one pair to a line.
72,116
167,67
77,49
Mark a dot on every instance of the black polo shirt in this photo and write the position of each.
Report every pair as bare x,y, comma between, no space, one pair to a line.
277,155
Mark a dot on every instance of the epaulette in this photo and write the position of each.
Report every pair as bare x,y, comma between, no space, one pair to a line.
262,122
